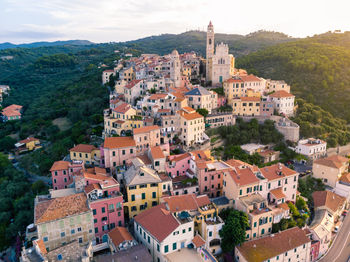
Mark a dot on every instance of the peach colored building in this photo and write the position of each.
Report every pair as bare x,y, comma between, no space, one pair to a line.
118,151
177,165
146,137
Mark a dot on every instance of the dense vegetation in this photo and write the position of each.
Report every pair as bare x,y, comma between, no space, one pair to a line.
233,232
196,40
316,122
17,201
317,68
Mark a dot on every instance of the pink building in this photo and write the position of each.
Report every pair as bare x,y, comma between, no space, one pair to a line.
210,177
105,201
221,100
177,165
118,151
146,137
62,173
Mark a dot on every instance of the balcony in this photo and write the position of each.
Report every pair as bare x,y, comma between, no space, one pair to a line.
94,197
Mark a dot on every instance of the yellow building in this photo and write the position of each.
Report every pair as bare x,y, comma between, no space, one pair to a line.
246,106
144,187
128,74
187,71
29,143
89,154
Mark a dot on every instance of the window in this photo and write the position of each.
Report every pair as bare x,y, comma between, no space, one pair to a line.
189,229
210,234
96,230
111,208
80,240
103,209
158,247
183,231
148,240
247,236
156,163
240,192
132,197
277,258
133,208
205,179
131,151
123,152
154,194
254,224
262,231
72,231
143,195
174,246
46,239
166,249
112,225
295,250
63,234
59,257
79,229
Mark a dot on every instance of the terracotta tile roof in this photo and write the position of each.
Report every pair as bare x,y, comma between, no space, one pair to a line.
234,80
12,110
119,234
157,96
250,78
157,152
278,193
283,206
83,148
200,155
145,129
144,158
272,172
94,176
41,245
91,187
176,158
60,165
165,110
345,178
250,99
280,94
198,241
186,202
328,199
158,221
123,108
270,246
236,163
119,142
335,161
189,109
132,83
244,176
29,139
60,207
164,177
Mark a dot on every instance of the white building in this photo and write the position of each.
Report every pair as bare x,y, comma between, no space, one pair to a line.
106,76
289,245
283,102
312,148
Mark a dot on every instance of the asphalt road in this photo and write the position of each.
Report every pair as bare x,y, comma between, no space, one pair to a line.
340,250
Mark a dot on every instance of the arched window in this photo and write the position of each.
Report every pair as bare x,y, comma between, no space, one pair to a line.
209,41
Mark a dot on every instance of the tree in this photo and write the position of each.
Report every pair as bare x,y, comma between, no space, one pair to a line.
233,232
39,187
7,143
202,111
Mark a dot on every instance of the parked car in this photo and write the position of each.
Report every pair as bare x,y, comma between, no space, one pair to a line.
336,229
344,213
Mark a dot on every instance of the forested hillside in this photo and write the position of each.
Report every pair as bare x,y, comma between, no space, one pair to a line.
196,40
317,68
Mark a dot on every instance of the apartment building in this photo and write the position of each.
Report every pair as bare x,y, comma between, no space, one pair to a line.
133,90
220,119
89,154
177,165
283,102
276,85
246,106
63,219
12,112
192,127
62,173
288,245
330,169
312,148
118,151
200,97
146,137
106,75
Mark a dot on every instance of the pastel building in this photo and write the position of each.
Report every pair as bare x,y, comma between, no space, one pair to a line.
146,137
177,165
62,173
312,148
118,151
105,201
12,112
283,102
89,154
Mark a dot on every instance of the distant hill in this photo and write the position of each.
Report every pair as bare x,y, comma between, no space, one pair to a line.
196,40
317,68
40,44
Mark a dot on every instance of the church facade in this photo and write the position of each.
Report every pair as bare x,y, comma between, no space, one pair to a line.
219,63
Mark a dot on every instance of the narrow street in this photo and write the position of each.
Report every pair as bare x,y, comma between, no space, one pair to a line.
32,177
340,249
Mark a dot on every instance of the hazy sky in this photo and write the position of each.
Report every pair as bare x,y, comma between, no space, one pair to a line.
121,20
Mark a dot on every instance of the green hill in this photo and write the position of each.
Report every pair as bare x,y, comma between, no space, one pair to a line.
317,68
196,40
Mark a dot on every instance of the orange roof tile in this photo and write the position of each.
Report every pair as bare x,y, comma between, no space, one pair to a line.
186,202
84,148
250,78
157,96
119,142
270,246
198,241
157,152
145,129
158,221
280,94
335,161
92,187
328,199
175,158
244,176
272,172
119,234
345,178
249,99
60,207
132,83
278,193
123,108
283,206
41,245
29,139
60,165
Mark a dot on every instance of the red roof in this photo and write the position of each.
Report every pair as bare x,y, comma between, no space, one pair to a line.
60,165
252,99
157,96
157,152
243,176
29,139
272,172
145,129
186,202
132,83
158,221
250,78
198,241
123,108
280,94
84,148
119,142
119,234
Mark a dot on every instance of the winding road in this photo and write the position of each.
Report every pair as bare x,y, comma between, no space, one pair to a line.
340,249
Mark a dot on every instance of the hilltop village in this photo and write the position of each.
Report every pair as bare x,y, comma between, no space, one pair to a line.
157,190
